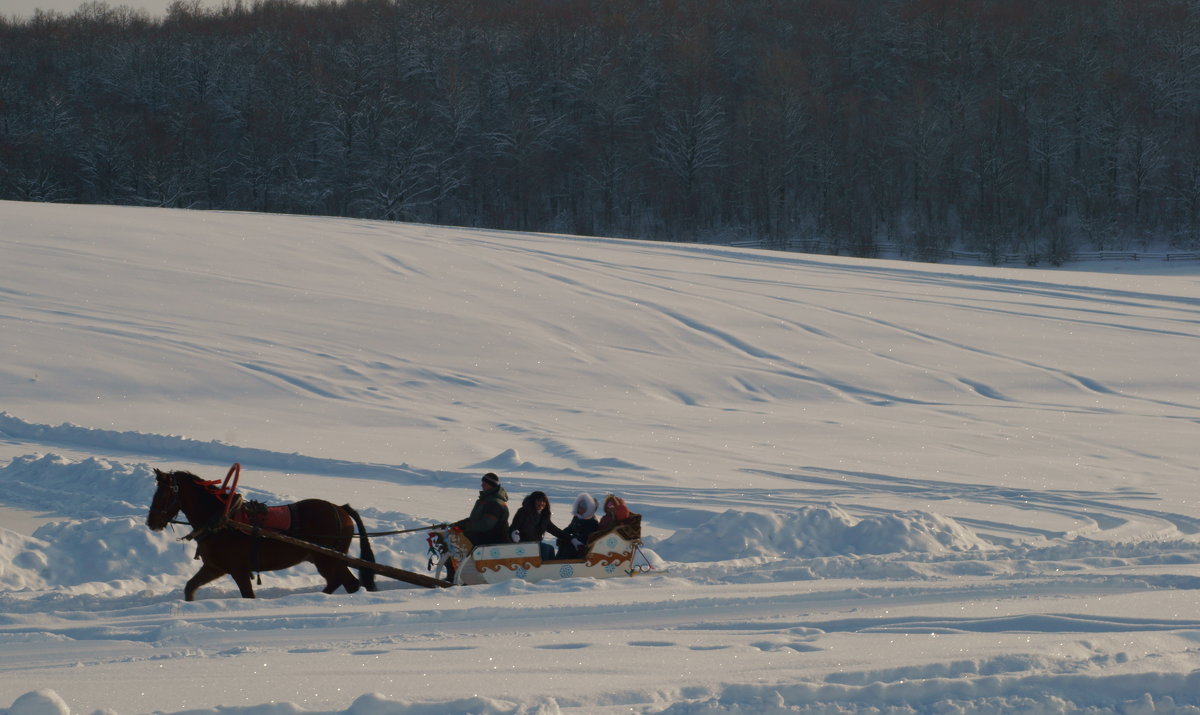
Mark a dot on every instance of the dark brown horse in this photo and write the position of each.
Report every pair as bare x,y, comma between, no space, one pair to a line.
225,550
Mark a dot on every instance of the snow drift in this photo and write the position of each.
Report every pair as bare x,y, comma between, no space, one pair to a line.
811,532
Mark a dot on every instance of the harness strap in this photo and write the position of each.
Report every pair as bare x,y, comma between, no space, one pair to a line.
255,544
199,532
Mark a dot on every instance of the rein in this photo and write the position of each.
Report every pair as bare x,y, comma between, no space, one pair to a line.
332,536
227,495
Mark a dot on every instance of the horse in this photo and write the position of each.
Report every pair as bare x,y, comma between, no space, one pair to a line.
226,550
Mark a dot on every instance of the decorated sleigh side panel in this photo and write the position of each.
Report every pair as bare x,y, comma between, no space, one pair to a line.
610,555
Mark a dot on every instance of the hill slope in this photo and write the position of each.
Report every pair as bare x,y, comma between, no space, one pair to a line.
866,483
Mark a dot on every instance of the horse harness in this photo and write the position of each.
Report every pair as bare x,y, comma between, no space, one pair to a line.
254,513
246,511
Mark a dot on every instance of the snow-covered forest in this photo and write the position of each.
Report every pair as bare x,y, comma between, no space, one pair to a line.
1017,126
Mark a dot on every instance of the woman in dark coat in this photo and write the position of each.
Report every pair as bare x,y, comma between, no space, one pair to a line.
573,543
532,521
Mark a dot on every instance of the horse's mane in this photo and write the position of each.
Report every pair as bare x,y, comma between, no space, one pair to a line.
211,486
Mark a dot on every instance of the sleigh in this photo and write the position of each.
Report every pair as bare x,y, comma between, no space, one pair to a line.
610,553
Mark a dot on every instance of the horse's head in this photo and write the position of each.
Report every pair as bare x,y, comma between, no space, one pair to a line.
165,504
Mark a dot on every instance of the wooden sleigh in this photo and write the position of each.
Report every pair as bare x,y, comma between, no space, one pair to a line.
610,554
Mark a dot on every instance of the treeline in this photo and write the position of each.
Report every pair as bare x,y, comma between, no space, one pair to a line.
997,125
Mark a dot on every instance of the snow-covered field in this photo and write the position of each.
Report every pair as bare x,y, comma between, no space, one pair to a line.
868,486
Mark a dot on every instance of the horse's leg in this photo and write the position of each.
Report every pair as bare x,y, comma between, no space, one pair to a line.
244,581
336,574
205,575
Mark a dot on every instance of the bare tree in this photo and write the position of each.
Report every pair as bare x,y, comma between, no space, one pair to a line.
689,143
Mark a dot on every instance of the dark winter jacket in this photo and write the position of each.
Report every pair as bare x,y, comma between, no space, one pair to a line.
581,529
530,524
583,524
488,522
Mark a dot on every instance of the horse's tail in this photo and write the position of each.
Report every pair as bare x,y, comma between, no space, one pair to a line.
365,575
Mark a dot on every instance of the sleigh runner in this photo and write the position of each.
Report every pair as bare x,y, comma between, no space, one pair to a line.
611,553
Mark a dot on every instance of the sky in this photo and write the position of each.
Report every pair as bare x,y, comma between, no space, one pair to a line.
866,485
24,9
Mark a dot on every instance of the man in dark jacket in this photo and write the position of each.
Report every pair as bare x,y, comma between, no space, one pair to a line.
488,522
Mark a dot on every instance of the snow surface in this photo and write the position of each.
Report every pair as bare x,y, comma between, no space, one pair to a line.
867,486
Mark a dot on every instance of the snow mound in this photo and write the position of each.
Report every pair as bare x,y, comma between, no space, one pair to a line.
22,561
375,704
39,702
69,553
111,542
817,531
107,549
92,487
507,461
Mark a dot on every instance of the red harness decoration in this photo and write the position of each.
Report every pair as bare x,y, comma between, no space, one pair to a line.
272,518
